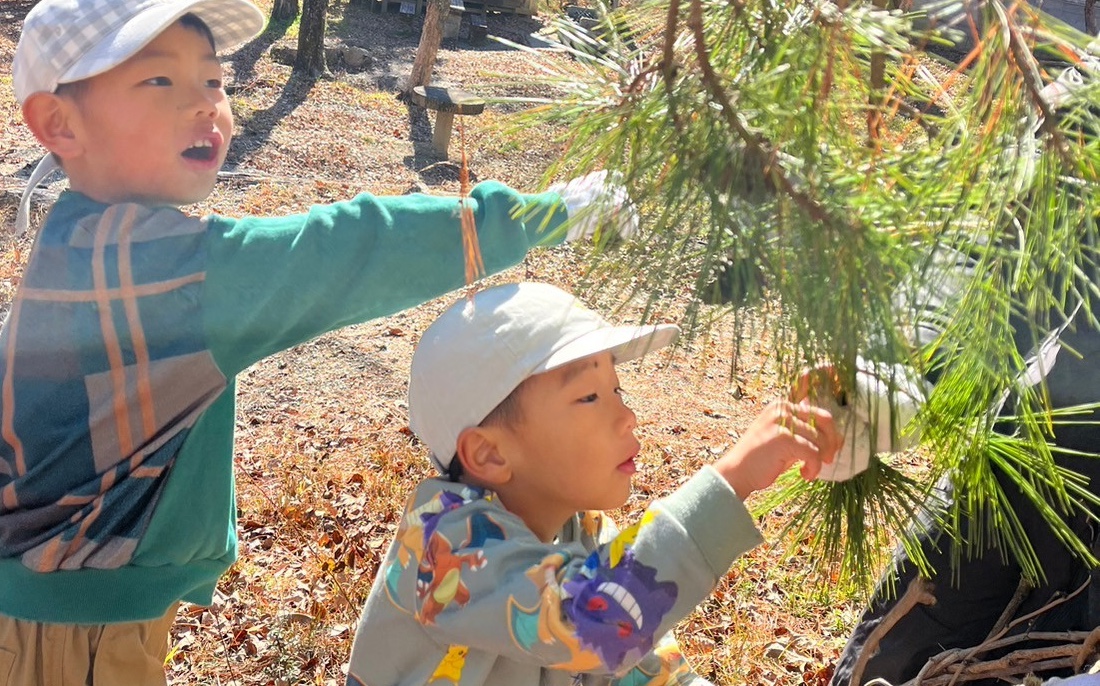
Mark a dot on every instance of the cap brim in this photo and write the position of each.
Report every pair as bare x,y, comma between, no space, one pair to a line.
624,342
231,22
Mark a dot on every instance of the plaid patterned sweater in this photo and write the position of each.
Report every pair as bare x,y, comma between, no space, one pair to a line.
117,368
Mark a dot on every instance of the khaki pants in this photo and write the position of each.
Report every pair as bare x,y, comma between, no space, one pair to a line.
131,654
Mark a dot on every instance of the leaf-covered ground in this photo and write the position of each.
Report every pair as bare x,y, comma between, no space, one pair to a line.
324,454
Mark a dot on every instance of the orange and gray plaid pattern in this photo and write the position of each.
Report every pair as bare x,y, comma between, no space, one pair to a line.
104,370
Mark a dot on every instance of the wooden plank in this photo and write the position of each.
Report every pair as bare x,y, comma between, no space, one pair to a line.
447,100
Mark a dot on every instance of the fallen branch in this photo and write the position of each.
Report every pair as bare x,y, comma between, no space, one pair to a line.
1088,649
919,592
1068,649
1016,664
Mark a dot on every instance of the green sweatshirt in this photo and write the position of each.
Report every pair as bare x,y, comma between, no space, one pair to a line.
119,357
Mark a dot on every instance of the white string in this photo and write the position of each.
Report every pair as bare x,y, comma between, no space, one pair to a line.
45,166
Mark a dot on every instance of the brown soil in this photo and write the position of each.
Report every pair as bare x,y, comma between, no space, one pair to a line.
324,453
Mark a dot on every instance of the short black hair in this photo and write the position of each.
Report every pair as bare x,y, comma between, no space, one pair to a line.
191,21
507,413
455,471
74,90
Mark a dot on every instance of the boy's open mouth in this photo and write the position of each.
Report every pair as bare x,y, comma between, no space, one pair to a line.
202,151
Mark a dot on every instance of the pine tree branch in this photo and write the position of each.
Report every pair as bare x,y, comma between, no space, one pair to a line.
1025,62
740,131
764,151
668,62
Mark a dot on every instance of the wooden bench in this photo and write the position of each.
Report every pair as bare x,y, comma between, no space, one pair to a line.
447,102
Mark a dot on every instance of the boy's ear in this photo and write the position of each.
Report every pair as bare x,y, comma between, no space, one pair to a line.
50,119
481,457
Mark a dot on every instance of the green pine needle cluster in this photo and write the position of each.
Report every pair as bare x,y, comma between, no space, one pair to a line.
812,156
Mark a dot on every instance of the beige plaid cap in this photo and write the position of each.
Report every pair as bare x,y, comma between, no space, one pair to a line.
69,40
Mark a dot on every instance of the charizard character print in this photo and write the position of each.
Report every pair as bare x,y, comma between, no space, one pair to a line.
439,577
439,564
666,666
545,623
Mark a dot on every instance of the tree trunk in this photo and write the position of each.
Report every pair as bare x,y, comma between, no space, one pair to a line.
284,10
311,38
430,39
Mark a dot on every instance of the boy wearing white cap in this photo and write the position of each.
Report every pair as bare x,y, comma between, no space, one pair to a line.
133,319
503,572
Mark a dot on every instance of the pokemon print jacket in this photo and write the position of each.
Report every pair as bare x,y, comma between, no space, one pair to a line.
468,595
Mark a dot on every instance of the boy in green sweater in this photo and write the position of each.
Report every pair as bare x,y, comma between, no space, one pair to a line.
503,571
133,319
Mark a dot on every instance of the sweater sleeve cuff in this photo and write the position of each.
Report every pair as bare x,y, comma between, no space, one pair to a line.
720,526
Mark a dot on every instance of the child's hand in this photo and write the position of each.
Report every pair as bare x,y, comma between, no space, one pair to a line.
783,434
595,201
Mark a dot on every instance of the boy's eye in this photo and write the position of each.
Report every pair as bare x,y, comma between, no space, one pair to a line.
159,81
214,83
593,397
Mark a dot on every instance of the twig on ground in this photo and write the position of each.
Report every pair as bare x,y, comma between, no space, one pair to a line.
1071,649
1010,610
919,592
1016,664
1088,649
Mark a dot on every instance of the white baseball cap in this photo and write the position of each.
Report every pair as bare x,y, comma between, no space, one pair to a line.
69,40
477,352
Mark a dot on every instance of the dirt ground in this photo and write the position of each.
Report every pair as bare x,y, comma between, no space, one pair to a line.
324,454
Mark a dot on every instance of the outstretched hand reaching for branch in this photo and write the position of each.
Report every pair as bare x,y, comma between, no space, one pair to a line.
784,434
596,201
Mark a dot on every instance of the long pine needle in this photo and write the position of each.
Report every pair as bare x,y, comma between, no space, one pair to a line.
475,267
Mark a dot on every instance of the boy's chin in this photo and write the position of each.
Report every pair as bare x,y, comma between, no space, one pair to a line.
183,199
609,501
619,500
176,197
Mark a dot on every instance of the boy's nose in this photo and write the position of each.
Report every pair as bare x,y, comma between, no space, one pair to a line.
630,420
203,102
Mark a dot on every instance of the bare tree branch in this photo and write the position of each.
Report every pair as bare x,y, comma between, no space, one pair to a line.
919,592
